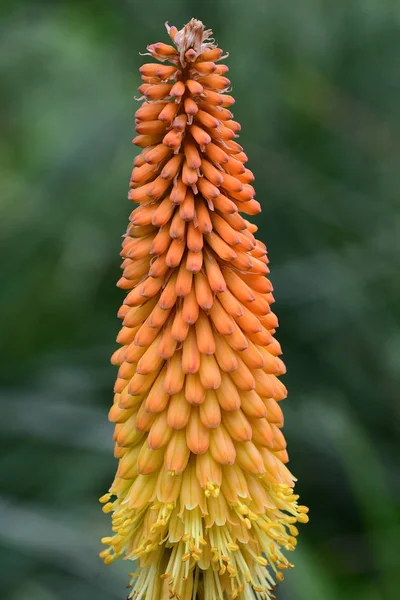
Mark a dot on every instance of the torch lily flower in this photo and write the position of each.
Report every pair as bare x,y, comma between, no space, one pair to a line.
202,499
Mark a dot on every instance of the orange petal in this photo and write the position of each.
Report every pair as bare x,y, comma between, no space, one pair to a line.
177,227
190,353
119,415
161,241
140,384
175,253
230,304
175,377
214,81
178,411
220,247
271,362
237,425
158,91
227,233
206,67
210,412
149,460
204,335
221,320
222,448
178,192
191,493
262,432
222,114
169,295
227,394
190,309
151,359
273,411
234,483
180,122
208,470
252,405
189,175
202,217
171,168
142,174
127,467
177,90
145,335
168,113
252,357
165,71
150,127
194,390
248,322
201,137
210,374
197,434
157,399
162,50
282,455
180,328
194,261
177,453
146,140
194,87
224,205
141,491
203,291
214,275
184,281
211,173
160,433
243,377
249,458
274,347
205,119
226,357
128,435
206,188
270,321
144,419
265,384
191,154
163,212
168,344
158,317
187,207
190,107
261,307
149,111
213,98
168,487
127,335
173,139
279,442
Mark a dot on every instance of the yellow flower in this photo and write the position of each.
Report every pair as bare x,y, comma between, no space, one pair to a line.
202,498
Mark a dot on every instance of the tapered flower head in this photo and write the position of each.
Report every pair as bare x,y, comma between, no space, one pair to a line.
202,498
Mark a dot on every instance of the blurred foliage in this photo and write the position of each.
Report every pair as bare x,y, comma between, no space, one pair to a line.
318,96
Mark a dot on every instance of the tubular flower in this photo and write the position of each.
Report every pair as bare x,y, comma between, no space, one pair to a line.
202,498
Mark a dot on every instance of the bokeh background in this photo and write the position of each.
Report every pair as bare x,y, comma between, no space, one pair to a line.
318,95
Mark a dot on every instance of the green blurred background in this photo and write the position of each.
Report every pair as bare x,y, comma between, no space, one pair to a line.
318,96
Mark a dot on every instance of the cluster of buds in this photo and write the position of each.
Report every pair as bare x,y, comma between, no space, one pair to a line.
202,499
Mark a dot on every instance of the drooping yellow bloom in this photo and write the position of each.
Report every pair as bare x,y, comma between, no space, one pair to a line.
202,499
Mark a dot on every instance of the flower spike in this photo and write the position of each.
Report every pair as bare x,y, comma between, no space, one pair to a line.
202,500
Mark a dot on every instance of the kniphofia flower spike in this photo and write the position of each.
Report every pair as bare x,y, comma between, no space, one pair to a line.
202,498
